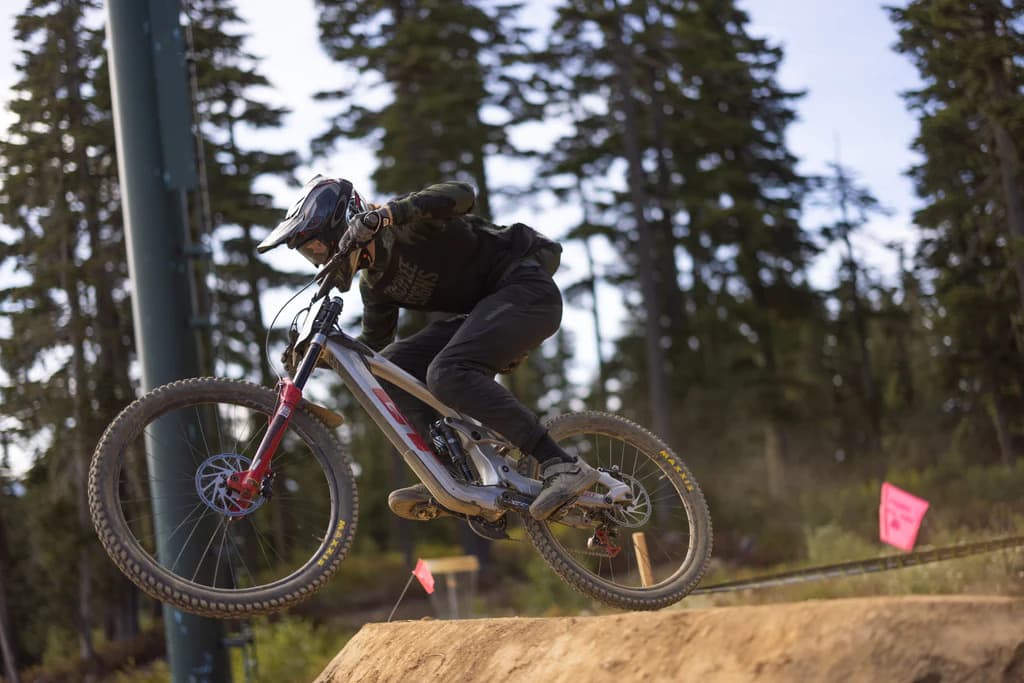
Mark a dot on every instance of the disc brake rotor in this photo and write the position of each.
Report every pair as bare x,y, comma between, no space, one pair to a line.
211,484
638,511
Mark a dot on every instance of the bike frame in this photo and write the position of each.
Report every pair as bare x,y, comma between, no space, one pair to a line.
359,368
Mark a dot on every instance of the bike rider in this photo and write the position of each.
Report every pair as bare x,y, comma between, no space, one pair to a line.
424,251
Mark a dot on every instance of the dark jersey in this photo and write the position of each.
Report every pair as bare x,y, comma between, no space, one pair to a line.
439,257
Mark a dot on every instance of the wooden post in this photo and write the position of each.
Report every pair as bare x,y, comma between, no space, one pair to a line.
643,559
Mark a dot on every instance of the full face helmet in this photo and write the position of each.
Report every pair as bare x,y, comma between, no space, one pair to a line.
316,222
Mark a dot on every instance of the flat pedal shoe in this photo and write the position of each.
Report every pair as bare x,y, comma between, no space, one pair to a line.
563,481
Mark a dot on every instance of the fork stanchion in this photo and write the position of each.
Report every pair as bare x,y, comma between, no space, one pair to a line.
643,559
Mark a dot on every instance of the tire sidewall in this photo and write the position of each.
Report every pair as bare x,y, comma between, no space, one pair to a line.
158,582
684,580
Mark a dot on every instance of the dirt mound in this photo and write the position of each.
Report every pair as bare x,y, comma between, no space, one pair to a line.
912,639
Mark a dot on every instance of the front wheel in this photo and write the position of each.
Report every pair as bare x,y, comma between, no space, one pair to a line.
644,556
161,508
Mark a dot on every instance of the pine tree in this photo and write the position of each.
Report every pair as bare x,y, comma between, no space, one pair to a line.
742,196
591,53
67,357
969,112
8,635
444,62
720,260
852,206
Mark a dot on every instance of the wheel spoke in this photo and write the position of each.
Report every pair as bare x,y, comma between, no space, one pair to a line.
188,507
187,539
202,556
612,557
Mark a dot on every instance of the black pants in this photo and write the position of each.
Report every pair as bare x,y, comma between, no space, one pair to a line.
459,357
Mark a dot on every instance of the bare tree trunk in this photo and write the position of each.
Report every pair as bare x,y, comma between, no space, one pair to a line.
774,458
602,372
1002,96
867,376
702,296
1009,167
996,408
76,328
660,399
869,387
267,376
78,454
904,368
6,631
113,384
665,239
482,207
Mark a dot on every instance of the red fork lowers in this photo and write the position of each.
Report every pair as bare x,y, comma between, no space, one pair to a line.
248,484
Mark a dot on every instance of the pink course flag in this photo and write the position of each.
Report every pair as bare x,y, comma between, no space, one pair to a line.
422,572
899,517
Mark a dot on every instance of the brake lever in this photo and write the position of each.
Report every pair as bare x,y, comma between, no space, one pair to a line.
324,276
325,288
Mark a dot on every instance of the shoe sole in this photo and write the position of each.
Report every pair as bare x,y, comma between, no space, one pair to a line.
569,501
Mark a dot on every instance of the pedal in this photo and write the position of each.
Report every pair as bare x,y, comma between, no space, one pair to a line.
415,503
493,531
517,502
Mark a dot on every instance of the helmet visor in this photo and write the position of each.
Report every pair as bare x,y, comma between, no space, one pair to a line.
309,217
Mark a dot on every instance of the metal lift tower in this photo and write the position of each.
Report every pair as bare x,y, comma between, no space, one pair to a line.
156,164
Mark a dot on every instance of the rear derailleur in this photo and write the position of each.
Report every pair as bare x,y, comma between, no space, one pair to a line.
602,543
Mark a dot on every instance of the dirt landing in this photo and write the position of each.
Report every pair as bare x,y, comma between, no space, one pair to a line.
913,639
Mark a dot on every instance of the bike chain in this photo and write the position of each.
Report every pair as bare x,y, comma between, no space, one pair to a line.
871,566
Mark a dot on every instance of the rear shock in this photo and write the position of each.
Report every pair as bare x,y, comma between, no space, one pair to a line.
445,441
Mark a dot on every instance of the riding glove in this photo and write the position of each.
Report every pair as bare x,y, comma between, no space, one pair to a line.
363,227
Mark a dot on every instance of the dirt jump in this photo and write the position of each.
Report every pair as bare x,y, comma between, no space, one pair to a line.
913,639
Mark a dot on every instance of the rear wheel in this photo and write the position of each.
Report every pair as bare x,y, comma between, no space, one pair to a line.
161,508
644,556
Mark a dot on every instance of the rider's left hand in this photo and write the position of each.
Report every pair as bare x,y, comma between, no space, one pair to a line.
363,227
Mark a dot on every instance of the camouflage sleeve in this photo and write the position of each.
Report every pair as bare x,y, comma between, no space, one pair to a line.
439,201
380,320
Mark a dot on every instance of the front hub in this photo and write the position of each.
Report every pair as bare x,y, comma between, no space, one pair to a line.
212,485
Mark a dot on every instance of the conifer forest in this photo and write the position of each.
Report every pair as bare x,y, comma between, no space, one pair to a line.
791,397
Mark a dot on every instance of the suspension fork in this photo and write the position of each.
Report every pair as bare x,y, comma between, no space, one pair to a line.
249,484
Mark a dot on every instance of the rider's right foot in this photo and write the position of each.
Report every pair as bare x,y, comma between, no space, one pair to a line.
416,503
563,482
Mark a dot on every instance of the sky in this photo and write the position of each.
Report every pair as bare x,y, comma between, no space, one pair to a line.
839,53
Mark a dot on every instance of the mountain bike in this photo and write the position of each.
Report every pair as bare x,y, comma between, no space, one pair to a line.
225,498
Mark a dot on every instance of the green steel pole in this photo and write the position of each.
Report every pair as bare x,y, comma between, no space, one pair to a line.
147,73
